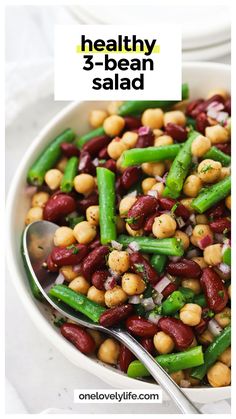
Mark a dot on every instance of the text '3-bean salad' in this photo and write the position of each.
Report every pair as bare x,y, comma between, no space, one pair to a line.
142,204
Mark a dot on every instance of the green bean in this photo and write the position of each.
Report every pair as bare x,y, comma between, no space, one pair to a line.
71,171
215,154
107,210
48,158
170,362
227,256
187,293
174,302
91,134
170,194
137,156
200,300
211,195
159,262
137,107
77,301
214,350
170,246
180,166
191,122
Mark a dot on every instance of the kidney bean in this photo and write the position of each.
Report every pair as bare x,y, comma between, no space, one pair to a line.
95,145
181,334
110,165
168,203
141,327
103,154
149,222
115,315
58,206
142,267
148,344
125,358
145,138
201,327
84,203
119,187
177,132
169,289
202,122
228,106
185,268
94,261
214,290
51,266
79,337
85,164
143,206
192,106
73,255
70,150
226,148
130,176
95,243
99,278
132,123
202,107
220,225
217,211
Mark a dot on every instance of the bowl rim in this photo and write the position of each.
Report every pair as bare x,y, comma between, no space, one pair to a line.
108,374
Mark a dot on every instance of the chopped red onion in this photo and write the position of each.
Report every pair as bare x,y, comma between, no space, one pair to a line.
224,268
185,383
135,299
157,298
116,245
222,117
60,279
96,162
76,269
219,237
217,106
143,130
30,190
192,218
193,253
148,303
214,327
189,230
154,318
134,246
159,179
109,283
153,193
174,258
114,274
180,222
212,113
162,284
205,241
165,176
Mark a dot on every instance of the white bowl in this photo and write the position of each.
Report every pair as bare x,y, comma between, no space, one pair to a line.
201,77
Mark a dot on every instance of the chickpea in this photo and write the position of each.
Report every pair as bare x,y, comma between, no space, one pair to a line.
225,357
113,107
115,148
113,125
118,261
163,140
84,232
119,166
175,117
199,232
159,187
53,178
229,291
92,215
164,226
97,337
217,134
206,338
225,172
219,375
61,165
213,254
163,343
97,117
190,314
152,118
157,133
34,214
224,317
209,170
68,273
64,236
147,184
84,183
193,284
133,233
187,203
177,376
228,202
200,261
96,295
133,284
192,186
153,169
222,92
79,284
39,199
125,204
183,237
193,381
120,224
129,138
109,351
200,146
201,219
115,296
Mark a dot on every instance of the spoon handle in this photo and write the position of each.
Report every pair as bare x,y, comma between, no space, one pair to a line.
157,372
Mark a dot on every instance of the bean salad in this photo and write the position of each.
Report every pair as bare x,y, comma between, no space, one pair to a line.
142,203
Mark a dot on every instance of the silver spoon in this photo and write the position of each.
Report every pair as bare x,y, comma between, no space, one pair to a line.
37,244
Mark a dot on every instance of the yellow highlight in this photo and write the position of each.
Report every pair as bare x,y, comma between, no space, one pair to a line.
156,50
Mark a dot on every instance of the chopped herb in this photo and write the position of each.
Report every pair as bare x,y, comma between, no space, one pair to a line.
139,267
75,249
174,208
73,221
221,294
206,168
132,220
207,314
59,322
